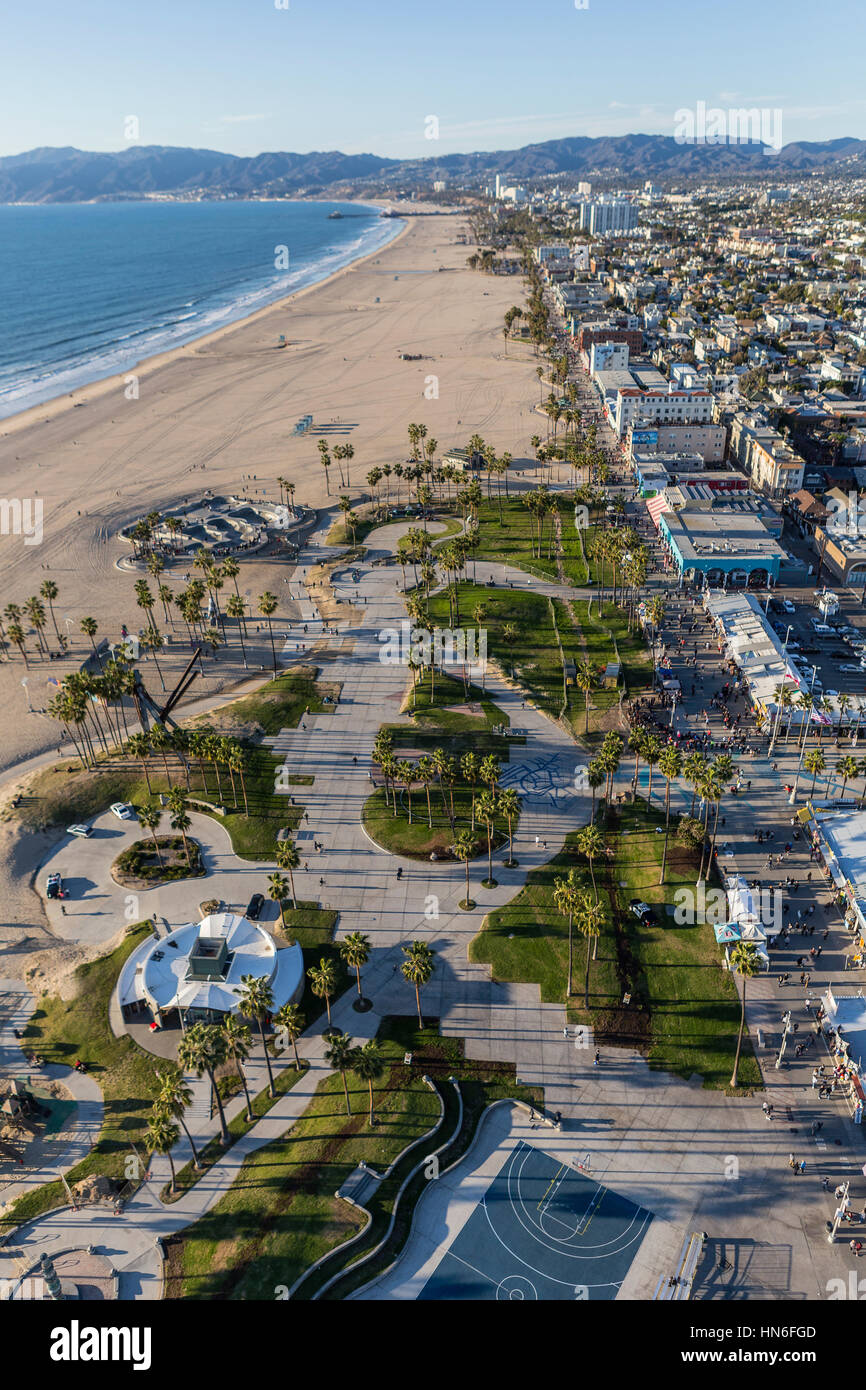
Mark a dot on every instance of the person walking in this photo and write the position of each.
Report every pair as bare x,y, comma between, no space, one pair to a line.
596,1059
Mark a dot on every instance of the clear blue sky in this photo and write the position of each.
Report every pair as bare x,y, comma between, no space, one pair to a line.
245,76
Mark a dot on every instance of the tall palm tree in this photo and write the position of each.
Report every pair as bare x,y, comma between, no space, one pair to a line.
509,807
267,608
162,1135
48,589
589,917
291,1022
238,1048
585,679
671,766
566,896
179,820
202,1049
339,1056
596,777
814,762
355,951
694,770
90,627
464,849
138,746
288,857
277,889
745,963
590,843
487,809
323,982
846,768
150,817
368,1065
417,969
256,1001
175,1098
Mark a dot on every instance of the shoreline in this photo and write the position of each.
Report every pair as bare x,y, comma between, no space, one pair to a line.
145,366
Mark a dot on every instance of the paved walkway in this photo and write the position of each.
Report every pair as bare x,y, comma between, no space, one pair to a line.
664,1142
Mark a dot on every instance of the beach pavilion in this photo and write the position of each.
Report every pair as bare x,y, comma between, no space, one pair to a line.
196,971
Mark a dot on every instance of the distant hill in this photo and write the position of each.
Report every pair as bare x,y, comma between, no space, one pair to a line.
49,175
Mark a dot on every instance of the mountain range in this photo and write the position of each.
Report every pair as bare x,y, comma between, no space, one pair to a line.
61,175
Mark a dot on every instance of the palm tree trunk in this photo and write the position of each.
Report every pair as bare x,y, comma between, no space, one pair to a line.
271,1091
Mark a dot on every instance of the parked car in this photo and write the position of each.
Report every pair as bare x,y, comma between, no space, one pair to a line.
642,911
122,810
850,668
788,606
81,830
254,907
839,654
54,886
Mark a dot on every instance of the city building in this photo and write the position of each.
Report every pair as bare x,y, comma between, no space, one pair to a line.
195,973
727,546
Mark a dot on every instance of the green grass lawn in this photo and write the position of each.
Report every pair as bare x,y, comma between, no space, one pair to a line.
210,1153
511,542
599,637
685,1010
281,1213
60,1031
534,656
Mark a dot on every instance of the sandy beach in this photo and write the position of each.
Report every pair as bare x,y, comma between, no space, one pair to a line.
224,408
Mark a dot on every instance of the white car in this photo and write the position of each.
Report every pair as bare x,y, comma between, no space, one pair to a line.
122,810
850,669
788,606
81,830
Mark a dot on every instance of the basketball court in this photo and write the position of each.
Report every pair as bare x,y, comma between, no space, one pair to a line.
543,1230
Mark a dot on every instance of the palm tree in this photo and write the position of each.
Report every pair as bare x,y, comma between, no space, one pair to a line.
257,1001
288,857
745,963
175,1098
368,1065
671,766
637,741
846,768
510,637
138,746
566,896
323,982
814,762
339,1056
469,766
406,775
267,608
694,770
48,589
590,843
417,969
162,1135
181,821
202,1049
291,1022
584,679
18,639
90,627
596,777
238,1047
464,849
277,889
355,951
589,919
652,751
487,809
509,807
150,817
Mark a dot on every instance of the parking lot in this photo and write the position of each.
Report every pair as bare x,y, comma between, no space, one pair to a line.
835,643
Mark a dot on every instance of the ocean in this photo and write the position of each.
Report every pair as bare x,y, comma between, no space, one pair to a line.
87,290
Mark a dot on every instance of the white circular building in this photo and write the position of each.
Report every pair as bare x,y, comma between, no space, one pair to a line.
198,968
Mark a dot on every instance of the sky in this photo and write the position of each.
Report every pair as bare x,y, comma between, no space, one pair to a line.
246,76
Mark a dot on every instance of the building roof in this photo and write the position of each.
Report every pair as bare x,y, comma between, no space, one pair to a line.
164,974
725,532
